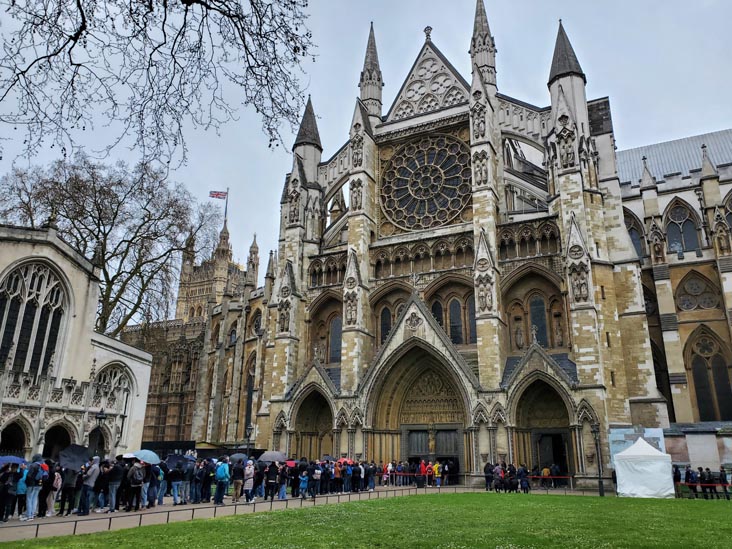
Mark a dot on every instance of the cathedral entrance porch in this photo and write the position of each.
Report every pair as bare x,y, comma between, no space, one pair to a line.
313,436
542,435
420,413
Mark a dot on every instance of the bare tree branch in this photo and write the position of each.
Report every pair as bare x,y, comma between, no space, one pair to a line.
134,221
147,68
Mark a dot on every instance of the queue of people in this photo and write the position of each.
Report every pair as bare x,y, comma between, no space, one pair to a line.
702,482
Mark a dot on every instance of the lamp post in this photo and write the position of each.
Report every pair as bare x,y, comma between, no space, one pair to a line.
101,417
248,431
598,451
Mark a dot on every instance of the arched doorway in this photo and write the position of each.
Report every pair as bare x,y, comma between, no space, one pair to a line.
313,427
57,438
12,441
420,413
97,443
542,428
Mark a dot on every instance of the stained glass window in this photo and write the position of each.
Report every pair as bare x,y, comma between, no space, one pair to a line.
681,230
538,319
427,183
335,340
437,313
385,323
703,391
456,322
471,320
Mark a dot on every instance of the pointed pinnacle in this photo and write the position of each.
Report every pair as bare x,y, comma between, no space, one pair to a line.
308,133
371,61
565,60
480,26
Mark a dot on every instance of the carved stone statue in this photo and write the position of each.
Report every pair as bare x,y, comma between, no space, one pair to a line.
356,195
294,207
351,309
723,246
284,319
558,333
357,148
431,443
519,337
566,152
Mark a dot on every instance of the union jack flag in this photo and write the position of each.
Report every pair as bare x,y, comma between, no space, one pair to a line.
218,194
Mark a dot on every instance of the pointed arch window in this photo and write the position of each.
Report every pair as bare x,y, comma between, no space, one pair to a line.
537,311
681,230
33,303
385,323
334,350
710,373
438,313
635,231
456,322
472,335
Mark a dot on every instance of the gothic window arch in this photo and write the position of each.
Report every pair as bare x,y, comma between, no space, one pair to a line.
232,335
199,311
709,364
455,313
538,319
695,292
682,231
385,324
728,209
635,231
256,325
472,328
192,313
334,339
117,383
33,307
438,313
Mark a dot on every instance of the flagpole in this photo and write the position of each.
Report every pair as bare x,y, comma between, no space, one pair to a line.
226,206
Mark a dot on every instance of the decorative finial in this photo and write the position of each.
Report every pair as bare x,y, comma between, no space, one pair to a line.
428,33
704,149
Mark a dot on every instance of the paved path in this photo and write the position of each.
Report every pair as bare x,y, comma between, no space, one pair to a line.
102,522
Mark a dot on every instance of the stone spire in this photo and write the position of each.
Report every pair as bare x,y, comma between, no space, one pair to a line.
308,133
371,82
269,276
708,169
483,47
565,61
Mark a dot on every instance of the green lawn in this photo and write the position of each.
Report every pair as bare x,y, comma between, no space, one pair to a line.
445,521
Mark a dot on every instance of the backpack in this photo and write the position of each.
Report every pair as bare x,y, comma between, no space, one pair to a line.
316,474
138,475
221,472
57,482
693,477
349,470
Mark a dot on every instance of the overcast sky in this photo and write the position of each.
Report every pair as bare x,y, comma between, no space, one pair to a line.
665,64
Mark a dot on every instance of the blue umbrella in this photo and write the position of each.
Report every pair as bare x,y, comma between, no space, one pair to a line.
148,456
189,457
11,459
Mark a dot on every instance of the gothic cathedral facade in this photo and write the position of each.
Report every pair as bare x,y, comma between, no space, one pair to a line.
471,277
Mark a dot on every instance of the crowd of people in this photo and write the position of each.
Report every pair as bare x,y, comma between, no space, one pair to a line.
702,482
42,488
508,478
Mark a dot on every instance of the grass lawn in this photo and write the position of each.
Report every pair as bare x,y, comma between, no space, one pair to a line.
445,521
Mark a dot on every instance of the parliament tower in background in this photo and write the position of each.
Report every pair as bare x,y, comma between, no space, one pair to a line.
468,277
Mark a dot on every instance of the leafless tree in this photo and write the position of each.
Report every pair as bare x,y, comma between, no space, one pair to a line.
132,222
147,68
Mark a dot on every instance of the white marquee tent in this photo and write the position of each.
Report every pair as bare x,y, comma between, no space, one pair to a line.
644,472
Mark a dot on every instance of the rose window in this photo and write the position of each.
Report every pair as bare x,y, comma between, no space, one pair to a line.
426,183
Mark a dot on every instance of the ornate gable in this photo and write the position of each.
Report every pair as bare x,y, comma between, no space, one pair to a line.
432,84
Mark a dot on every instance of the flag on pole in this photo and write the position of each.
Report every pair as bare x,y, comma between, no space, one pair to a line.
222,195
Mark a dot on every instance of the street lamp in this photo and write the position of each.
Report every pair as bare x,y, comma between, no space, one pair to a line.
101,417
595,428
248,432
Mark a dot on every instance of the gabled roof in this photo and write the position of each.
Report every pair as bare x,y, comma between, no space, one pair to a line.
564,61
433,83
680,156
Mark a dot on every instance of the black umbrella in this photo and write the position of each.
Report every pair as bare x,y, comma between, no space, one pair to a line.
327,457
234,458
174,459
73,457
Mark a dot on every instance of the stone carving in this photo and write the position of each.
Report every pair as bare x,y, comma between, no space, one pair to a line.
480,167
414,321
580,283
519,337
357,146
484,288
285,291
478,115
284,318
566,150
294,206
534,331
575,252
351,304
356,193
350,283
558,333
